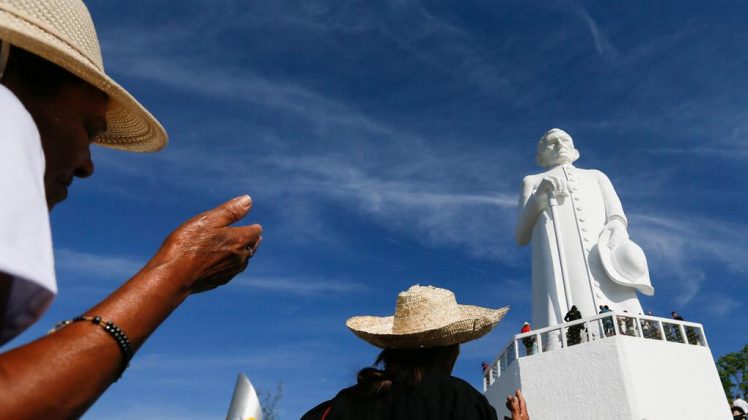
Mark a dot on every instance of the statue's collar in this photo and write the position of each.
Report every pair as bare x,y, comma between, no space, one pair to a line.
565,167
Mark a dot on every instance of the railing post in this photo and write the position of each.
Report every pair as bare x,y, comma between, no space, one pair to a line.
563,330
516,350
662,331
587,330
539,341
641,327
703,337
683,333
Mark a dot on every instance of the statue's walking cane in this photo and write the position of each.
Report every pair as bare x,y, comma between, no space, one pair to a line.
560,246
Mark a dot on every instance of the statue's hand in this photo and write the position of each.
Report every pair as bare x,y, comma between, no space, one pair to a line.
618,233
551,185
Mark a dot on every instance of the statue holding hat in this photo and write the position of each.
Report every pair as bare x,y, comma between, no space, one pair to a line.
581,252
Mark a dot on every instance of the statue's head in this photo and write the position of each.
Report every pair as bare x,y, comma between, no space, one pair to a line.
555,148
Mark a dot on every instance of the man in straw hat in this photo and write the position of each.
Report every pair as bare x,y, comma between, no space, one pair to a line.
420,343
55,100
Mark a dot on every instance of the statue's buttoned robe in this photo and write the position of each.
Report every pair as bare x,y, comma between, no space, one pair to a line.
582,217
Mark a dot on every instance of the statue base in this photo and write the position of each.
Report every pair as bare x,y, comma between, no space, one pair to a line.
644,368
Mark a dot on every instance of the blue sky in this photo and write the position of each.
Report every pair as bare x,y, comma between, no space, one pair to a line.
383,143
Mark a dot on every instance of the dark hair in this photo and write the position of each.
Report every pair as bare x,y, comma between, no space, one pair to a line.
39,76
405,366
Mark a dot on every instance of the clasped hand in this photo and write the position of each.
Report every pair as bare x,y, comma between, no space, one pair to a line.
618,233
556,187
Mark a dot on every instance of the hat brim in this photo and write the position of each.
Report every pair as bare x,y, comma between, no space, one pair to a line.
130,126
474,322
642,284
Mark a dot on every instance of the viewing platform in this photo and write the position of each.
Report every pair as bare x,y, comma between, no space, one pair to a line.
612,366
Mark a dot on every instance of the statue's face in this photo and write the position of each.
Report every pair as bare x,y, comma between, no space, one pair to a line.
558,149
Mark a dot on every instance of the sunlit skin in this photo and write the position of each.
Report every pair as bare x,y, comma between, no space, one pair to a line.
517,407
60,375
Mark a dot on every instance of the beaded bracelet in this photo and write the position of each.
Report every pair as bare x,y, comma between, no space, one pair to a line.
112,329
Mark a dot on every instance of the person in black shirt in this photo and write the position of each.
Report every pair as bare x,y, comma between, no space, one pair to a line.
574,333
420,345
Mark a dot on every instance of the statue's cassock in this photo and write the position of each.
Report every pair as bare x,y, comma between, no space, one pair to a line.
587,206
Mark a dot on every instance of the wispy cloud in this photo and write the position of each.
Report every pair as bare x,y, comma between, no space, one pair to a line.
727,153
257,359
602,45
720,305
349,157
301,286
100,266
160,411
681,248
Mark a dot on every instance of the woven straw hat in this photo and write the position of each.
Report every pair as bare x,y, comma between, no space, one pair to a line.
426,316
61,31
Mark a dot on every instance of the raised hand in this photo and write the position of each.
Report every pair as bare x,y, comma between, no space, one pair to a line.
210,247
517,407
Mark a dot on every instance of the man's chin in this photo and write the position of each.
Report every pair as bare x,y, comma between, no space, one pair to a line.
56,196
565,160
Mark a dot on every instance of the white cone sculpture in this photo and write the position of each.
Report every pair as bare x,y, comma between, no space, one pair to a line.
244,404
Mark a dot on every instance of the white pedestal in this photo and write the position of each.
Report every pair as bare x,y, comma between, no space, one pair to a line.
618,377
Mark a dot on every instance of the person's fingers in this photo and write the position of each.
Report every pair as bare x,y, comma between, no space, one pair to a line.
522,404
511,404
256,245
228,212
248,234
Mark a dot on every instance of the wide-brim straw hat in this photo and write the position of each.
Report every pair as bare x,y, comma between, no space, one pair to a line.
426,316
62,32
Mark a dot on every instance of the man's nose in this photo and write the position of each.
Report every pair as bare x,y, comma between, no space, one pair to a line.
85,169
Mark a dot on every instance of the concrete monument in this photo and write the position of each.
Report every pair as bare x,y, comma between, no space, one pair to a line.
581,252
616,365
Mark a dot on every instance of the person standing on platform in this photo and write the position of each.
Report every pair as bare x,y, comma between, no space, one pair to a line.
574,332
529,342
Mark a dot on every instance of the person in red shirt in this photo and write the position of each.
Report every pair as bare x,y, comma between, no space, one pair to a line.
529,342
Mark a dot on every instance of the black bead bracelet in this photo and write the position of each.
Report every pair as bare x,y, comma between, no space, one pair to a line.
112,329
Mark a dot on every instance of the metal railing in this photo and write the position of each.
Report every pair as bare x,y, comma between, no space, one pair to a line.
593,328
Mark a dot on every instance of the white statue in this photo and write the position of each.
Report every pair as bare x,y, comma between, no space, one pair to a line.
581,254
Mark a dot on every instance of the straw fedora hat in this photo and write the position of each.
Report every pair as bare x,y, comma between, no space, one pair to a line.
62,32
426,316
625,264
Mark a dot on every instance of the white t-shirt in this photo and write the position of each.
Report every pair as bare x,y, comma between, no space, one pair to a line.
25,237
